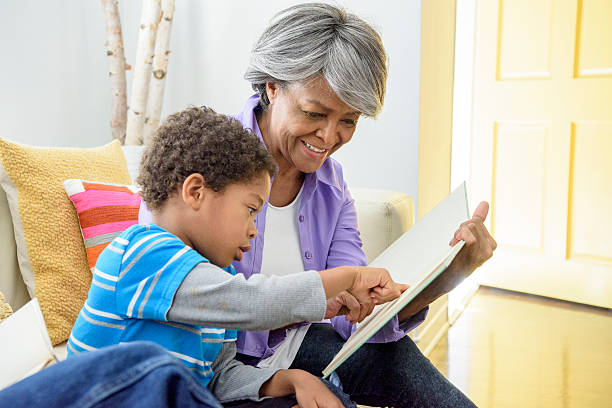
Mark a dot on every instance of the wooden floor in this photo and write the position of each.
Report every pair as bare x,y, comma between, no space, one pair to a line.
515,350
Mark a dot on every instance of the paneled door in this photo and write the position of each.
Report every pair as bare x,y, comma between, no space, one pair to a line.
542,145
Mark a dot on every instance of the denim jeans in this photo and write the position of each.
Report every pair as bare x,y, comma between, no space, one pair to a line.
138,374
380,374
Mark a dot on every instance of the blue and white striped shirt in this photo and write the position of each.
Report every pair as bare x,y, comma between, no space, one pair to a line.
134,283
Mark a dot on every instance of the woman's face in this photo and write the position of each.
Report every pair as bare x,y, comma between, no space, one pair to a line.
306,123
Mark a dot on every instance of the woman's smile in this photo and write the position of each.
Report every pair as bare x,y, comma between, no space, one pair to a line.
313,148
309,120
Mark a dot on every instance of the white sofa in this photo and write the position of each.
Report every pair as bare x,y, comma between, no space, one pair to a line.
382,215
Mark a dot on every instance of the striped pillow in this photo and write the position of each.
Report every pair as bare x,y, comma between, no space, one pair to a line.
104,210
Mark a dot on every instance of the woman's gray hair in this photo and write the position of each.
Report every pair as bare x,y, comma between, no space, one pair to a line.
316,39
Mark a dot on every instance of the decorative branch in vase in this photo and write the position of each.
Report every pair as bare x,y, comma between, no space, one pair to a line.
159,71
142,68
117,67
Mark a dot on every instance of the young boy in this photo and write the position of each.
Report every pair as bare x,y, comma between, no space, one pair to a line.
171,282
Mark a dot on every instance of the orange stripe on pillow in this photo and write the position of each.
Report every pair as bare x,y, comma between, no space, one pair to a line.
106,214
93,253
106,187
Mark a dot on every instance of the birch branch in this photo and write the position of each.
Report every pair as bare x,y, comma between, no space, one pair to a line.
116,55
159,71
140,81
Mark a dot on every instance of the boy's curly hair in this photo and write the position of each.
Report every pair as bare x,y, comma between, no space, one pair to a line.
199,140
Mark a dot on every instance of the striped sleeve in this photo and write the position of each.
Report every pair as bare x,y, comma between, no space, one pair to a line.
152,268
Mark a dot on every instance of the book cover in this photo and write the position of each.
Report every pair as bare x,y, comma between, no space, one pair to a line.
416,258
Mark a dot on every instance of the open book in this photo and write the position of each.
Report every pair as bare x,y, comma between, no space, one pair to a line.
25,346
416,258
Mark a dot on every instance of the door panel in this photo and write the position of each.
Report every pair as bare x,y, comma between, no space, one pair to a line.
542,145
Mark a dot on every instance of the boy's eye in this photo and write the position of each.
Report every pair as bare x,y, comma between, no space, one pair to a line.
252,211
349,122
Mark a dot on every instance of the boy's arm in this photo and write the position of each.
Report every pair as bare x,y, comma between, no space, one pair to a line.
234,380
309,390
209,296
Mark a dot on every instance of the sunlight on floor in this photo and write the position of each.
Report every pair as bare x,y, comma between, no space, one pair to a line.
515,350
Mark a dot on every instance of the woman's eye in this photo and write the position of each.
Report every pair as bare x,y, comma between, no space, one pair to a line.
349,122
252,211
313,114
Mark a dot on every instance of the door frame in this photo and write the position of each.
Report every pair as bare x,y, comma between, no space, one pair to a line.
435,134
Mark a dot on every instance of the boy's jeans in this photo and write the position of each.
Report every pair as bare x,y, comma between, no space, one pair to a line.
138,374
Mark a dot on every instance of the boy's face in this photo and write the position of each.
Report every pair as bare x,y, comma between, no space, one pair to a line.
227,221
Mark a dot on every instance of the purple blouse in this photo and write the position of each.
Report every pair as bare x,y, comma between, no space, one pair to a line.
327,226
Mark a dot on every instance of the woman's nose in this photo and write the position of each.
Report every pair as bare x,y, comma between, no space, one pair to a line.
327,134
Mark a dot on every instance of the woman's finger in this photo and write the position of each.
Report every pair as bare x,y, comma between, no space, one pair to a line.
481,211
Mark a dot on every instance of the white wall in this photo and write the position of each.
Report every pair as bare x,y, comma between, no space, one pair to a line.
54,89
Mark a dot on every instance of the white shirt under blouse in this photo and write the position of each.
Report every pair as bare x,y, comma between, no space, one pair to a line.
282,255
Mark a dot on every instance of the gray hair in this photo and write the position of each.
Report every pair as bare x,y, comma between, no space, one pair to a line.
316,39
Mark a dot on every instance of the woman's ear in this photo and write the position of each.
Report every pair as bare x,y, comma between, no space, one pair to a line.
272,90
194,190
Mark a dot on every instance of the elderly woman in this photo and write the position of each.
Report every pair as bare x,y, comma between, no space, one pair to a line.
316,70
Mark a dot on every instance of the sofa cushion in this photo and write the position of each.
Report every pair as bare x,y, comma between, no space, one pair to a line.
382,216
50,248
104,210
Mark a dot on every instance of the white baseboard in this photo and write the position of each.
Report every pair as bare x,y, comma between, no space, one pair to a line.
435,326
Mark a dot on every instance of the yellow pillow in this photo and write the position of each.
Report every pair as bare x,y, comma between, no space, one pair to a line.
5,308
50,247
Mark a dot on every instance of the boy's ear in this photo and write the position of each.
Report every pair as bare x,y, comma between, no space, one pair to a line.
194,190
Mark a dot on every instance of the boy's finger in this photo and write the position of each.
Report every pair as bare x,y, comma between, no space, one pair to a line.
384,295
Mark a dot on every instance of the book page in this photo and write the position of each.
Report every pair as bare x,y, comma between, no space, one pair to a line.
416,258
25,346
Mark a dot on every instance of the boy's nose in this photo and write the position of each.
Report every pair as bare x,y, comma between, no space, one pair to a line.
252,232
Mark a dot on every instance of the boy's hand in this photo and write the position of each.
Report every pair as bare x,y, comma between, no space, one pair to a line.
375,284
310,392
346,304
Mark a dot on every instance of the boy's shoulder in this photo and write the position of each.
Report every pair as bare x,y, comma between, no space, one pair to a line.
139,238
137,241
136,232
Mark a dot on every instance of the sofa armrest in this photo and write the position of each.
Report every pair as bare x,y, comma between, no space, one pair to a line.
11,281
382,216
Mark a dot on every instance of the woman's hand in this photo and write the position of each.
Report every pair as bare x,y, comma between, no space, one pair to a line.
309,391
479,246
